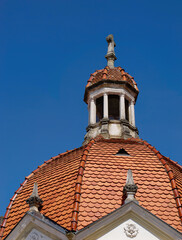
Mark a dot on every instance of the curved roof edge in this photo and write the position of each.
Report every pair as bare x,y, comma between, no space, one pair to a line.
108,75
126,76
161,158
3,225
171,177
77,194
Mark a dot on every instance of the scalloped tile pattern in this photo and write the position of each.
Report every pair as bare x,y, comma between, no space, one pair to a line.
56,187
105,175
177,171
102,184
115,74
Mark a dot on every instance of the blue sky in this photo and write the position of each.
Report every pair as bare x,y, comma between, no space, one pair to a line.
48,49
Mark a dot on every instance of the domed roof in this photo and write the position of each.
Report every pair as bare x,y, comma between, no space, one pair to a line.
81,186
116,74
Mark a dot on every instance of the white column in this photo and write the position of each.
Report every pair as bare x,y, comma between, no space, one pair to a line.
88,113
122,107
92,112
132,113
105,105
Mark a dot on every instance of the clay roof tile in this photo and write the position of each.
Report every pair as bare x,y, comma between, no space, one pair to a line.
92,178
116,74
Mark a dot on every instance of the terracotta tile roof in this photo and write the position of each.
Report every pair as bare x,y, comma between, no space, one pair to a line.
115,74
80,186
177,172
105,176
56,184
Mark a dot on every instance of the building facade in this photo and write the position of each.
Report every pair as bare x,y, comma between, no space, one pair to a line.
115,186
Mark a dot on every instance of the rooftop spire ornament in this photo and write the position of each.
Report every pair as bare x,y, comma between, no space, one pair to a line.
110,56
130,188
34,201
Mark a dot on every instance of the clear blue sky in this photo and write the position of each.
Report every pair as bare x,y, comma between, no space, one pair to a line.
48,49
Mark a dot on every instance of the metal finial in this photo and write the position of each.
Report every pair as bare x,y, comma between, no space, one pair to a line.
34,201
130,188
110,52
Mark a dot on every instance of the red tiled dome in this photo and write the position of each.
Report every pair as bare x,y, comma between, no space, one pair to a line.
81,186
107,74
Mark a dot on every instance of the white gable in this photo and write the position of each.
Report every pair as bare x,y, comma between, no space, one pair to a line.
130,221
127,230
36,235
34,226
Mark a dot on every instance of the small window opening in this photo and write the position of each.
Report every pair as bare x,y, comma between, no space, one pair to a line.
113,102
127,109
122,152
99,108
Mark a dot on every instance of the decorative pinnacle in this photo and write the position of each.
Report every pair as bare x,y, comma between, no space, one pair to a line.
34,201
130,188
110,56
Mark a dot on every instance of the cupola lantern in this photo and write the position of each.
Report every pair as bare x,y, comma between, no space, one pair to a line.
111,94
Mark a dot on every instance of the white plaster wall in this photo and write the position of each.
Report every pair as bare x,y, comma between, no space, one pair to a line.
119,233
36,235
115,129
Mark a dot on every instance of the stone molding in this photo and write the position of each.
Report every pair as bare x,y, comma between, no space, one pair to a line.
109,83
110,90
132,211
102,128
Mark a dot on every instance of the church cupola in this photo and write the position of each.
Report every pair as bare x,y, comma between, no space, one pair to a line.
111,94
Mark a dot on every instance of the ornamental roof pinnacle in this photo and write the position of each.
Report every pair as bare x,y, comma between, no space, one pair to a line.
34,201
110,56
130,188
